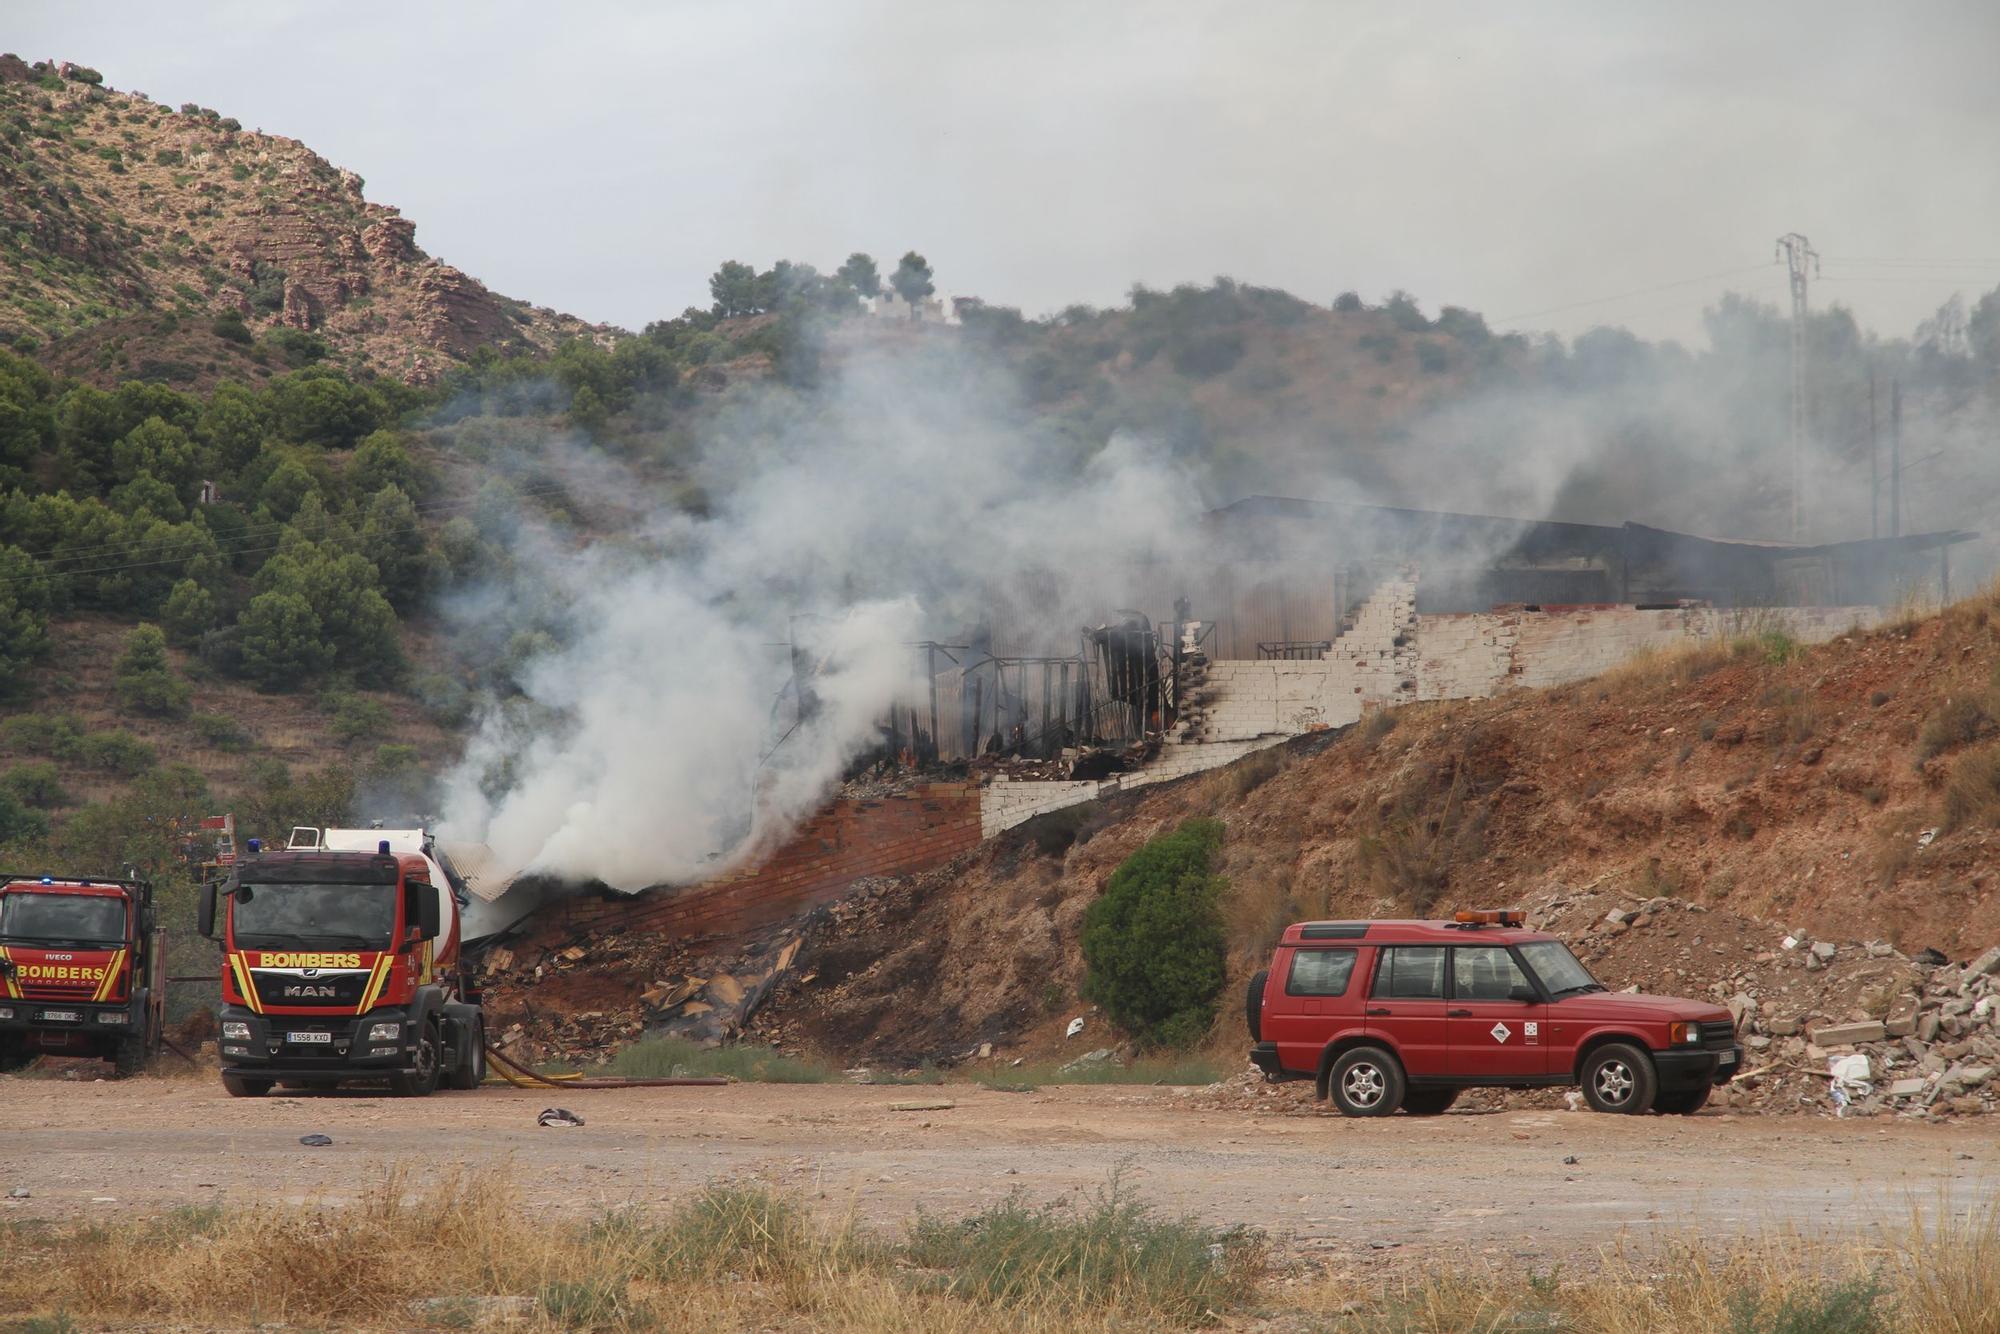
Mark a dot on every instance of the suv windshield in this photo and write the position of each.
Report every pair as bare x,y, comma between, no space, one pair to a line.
1558,968
280,916
70,919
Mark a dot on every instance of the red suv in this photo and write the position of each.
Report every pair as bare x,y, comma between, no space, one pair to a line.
1405,1014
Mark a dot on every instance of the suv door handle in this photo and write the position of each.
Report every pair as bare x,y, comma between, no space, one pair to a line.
1458,1014
1378,1009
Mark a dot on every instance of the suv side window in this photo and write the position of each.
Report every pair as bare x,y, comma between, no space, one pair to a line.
1485,973
1320,973
1410,972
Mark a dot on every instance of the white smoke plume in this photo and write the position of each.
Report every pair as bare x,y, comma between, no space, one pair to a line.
905,499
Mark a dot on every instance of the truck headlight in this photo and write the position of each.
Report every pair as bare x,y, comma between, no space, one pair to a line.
114,1017
6,1012
385,1032
1683,1034
236,1029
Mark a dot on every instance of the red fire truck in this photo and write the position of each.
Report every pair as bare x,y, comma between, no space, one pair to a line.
82,971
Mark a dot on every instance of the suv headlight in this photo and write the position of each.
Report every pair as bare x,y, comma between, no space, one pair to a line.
1683,1033
387,1031
236,1030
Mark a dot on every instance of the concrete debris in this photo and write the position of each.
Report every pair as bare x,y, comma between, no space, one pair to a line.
1102,1056
1837,1035
926,1105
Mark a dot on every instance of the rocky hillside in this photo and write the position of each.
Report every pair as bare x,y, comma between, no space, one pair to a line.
145,242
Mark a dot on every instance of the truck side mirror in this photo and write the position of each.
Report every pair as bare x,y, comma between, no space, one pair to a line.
427,918
206,911
1524,994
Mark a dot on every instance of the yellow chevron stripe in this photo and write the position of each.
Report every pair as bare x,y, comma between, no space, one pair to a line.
243,984
376,981
110,975
8,986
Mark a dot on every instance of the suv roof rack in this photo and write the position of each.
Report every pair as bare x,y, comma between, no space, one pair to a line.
1333,930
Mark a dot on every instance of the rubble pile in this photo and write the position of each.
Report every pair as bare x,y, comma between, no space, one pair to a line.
582,1000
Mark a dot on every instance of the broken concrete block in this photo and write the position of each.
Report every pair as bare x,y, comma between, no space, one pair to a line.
1824,950
1927,1026
1836,1035
1986,963
1908,1088
1972,1076
1618,917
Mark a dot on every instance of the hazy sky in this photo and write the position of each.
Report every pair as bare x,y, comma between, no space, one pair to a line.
603,158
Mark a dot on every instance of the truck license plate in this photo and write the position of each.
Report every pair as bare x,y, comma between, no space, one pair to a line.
62,1016
308,1037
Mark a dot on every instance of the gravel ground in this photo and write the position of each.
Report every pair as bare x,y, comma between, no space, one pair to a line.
1494,1184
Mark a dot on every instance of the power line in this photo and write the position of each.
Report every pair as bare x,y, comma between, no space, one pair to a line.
1642,291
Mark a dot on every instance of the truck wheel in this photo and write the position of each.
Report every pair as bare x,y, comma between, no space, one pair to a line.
1254,1006
424,1080
14,1058
1367,1081
130,1057
1618,1077
471,1072
240,1087
1685,1103
1429,1102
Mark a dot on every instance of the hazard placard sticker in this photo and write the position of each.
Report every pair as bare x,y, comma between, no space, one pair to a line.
1532,1032
1501,1032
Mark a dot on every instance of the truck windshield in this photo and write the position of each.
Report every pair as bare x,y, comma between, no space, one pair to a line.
1559,970
282,916
69,919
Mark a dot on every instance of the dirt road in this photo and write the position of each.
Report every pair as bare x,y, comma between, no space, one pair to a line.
1496,1184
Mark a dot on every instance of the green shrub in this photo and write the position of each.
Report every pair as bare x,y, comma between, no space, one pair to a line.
744,1231
1851,1306
56,735
1153,942
117,752
355,717
1111,1253
37,784
220,731
18,823
189,612
229,326
146,681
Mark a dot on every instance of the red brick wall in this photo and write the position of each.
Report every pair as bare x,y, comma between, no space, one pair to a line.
896,835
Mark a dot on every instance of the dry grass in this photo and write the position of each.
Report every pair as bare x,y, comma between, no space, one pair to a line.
739,1256
1972,793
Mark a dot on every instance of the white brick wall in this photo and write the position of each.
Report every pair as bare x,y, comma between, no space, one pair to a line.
1246,706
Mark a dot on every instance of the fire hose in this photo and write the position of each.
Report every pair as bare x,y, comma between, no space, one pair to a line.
521,1078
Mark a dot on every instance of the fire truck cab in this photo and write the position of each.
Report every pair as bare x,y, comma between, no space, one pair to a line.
341,963
81,971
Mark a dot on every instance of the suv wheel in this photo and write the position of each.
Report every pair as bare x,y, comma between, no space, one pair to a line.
1618,1077
1685,1103
1254,1006
1367,1081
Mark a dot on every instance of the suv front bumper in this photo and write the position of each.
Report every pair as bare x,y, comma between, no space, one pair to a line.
1681,1070
271,1051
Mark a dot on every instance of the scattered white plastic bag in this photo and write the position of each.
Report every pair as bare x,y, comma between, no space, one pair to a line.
1075,1027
